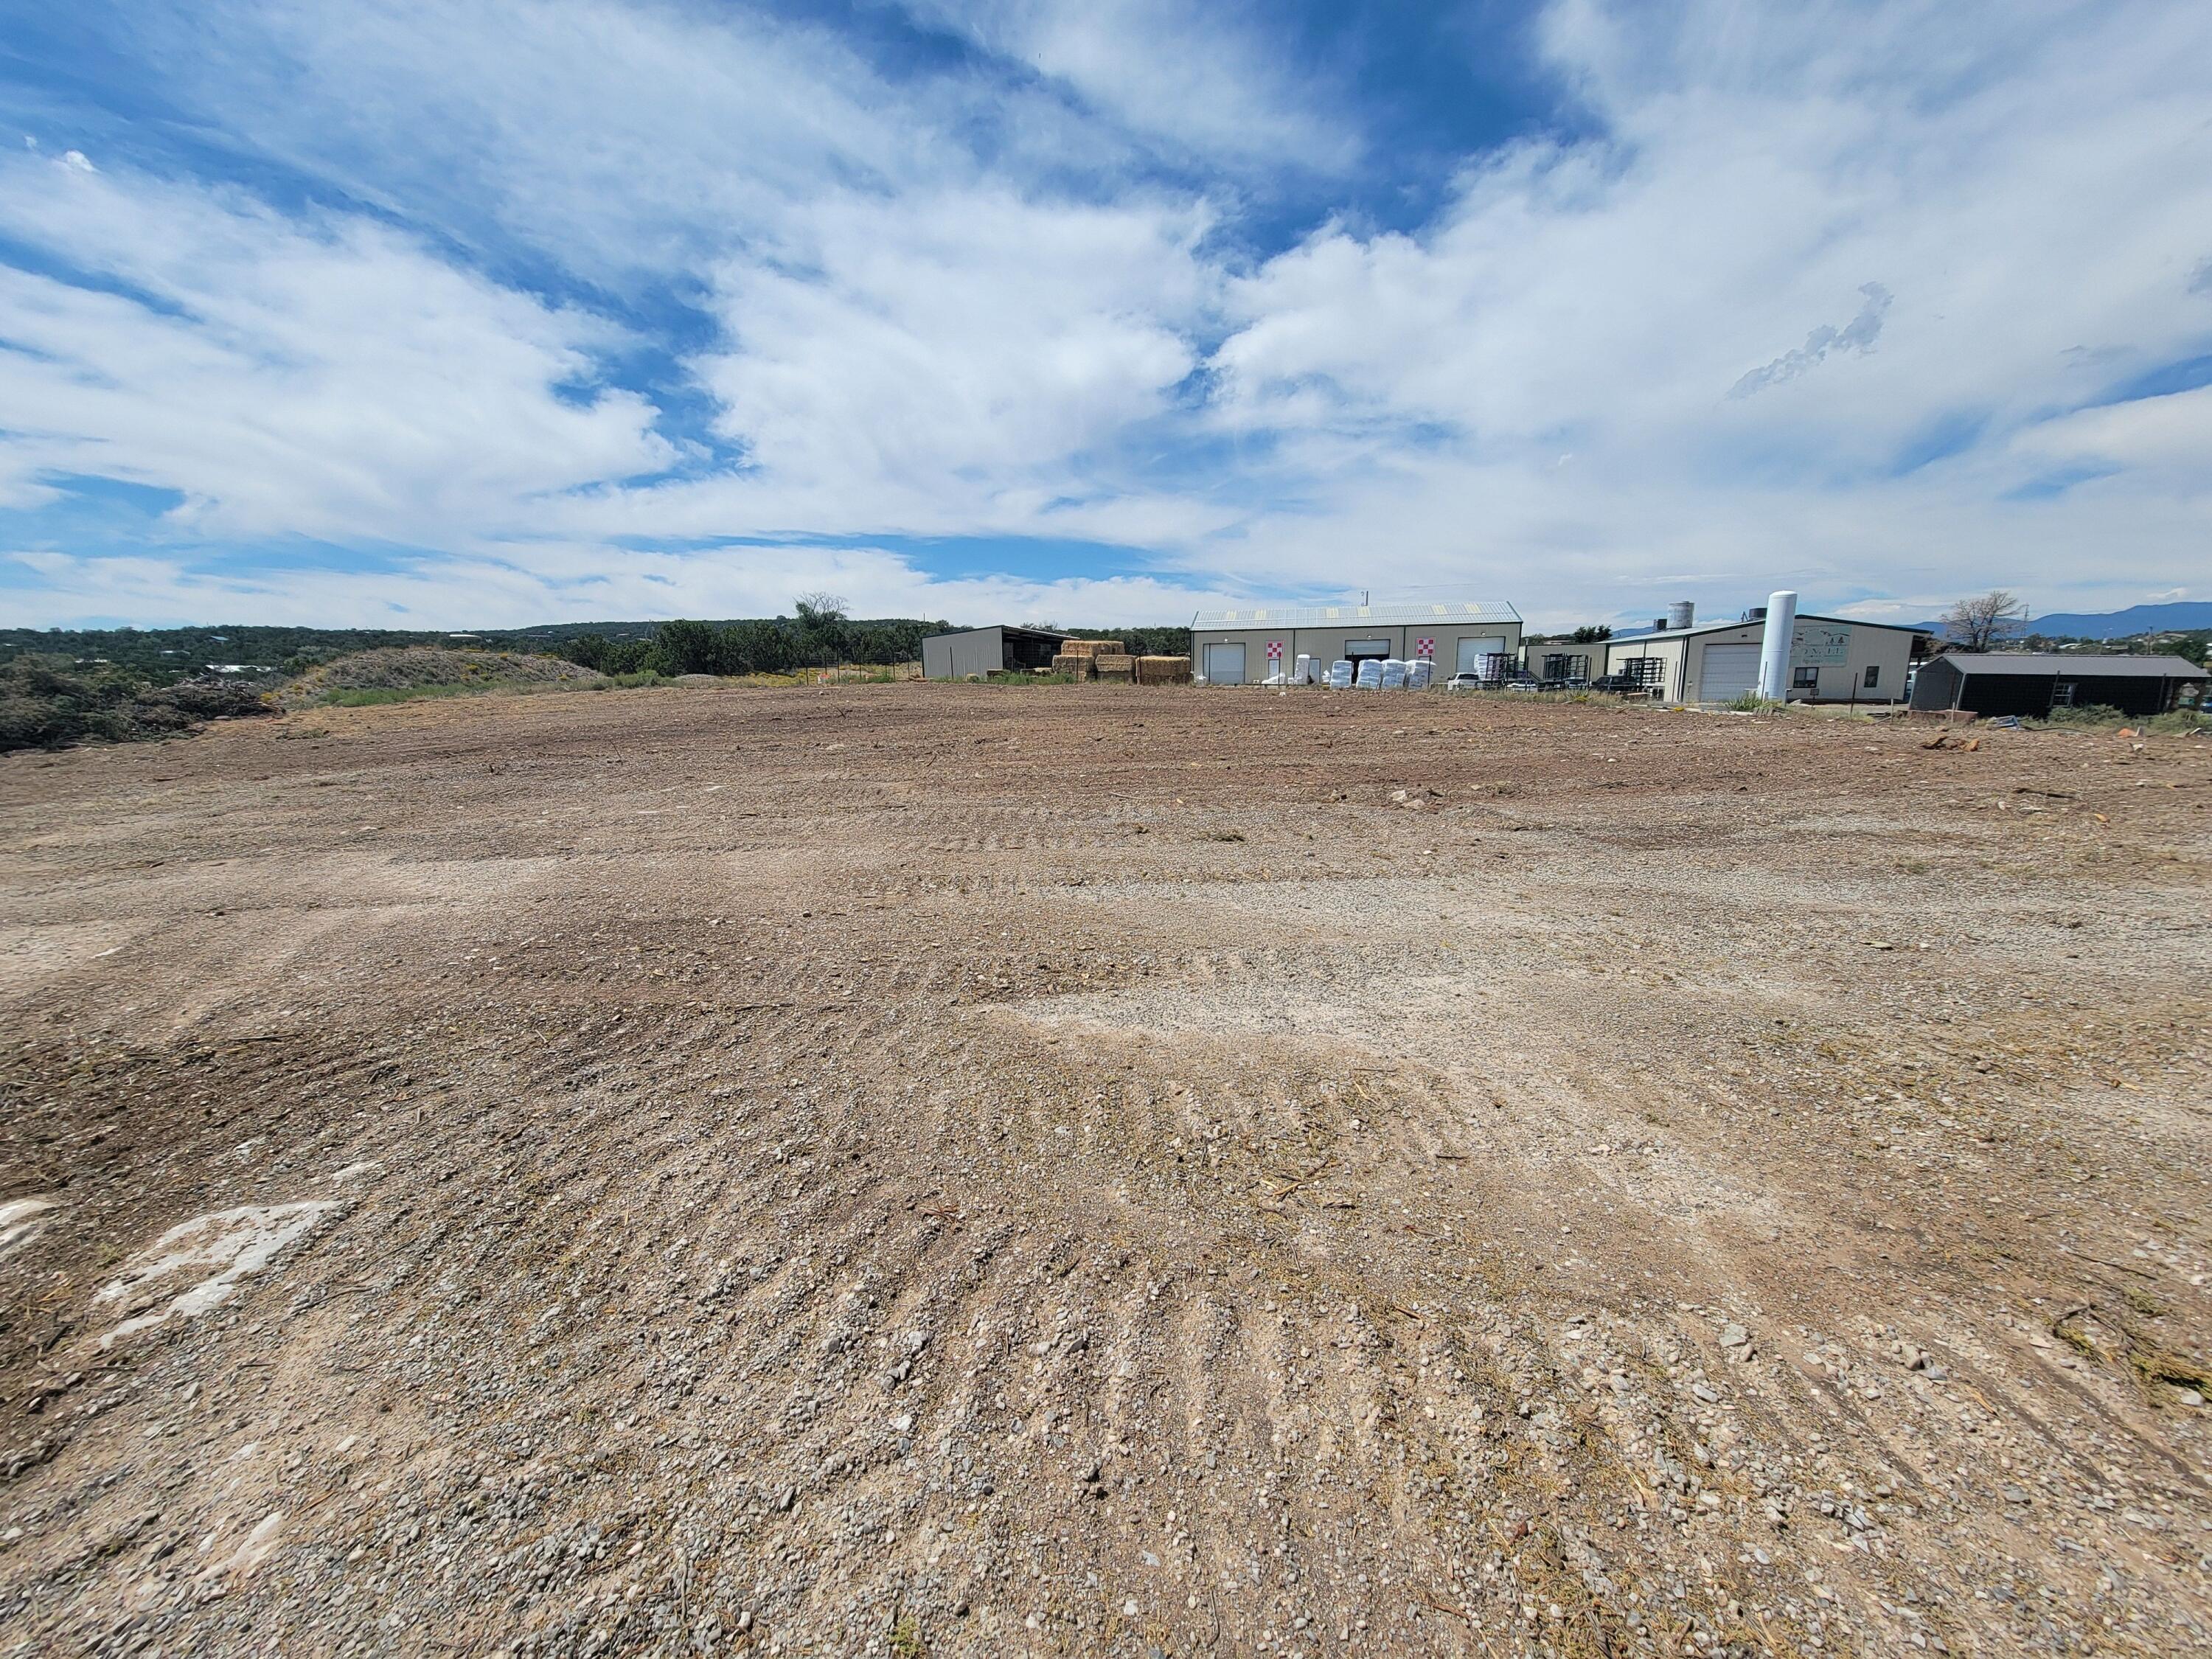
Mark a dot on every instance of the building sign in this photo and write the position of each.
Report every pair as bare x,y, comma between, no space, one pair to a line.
1816,643
1274,651
1424,648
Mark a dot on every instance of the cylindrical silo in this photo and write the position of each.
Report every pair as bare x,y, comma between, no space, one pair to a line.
1774,645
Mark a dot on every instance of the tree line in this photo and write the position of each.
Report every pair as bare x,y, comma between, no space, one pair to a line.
821,636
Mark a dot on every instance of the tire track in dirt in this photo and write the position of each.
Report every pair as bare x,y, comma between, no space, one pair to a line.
675,1070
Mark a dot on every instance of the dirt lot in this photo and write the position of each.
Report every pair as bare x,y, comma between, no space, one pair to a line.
917,1169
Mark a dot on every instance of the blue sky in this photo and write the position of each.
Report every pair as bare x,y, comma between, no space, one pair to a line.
411,313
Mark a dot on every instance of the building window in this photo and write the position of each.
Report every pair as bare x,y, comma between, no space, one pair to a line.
1358,649
1805,679
1873,676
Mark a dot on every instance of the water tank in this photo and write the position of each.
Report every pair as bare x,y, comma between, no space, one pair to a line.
1757,613
1679,613
1780,624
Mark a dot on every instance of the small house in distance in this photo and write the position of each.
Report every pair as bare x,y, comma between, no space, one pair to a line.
2035,683
987,651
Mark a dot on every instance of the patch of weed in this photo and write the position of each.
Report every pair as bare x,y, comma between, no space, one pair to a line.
370,696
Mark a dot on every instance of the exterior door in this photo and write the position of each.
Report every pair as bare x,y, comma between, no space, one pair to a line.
1729,671
1224,664
1473,651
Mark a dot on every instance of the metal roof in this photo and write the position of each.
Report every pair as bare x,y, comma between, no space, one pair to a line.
2080,665
1356,615
1003,628
1755,622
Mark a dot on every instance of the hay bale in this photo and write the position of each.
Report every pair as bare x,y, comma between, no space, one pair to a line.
1119,676
1080,667
1089,647
1162,670
1120,662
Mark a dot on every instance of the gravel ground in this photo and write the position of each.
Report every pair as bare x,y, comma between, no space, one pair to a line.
903,1170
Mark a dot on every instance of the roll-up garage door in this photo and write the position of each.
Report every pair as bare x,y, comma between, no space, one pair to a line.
1473,651
1729,671
1225,665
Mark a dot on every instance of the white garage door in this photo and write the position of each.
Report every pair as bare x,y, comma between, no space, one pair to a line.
1225,665
1473,651
1729,671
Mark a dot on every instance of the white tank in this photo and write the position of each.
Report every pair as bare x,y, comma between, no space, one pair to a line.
1679,613
1774,645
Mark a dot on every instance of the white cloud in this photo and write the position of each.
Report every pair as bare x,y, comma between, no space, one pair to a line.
627,142
946,301
1203,78
2030,199
2170,436
573,581
964,344
909,341
323,377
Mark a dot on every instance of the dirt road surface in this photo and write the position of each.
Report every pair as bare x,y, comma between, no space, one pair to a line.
936,1170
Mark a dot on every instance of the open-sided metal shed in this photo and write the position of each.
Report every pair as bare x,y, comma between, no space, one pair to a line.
2035,683
986,651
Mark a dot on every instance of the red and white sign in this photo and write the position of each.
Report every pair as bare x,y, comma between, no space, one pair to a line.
1424,648
1274,651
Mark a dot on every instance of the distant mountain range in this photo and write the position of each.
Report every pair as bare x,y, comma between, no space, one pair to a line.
2180,616
2177,618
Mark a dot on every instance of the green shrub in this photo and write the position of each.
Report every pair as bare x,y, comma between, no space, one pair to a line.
46,702
2181,722
2096,717
2090,714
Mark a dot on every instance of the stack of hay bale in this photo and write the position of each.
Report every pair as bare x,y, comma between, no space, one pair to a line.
1109,659
1080,658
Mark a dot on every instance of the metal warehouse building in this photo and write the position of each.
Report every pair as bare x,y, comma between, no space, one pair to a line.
1232,647
2024,682
1832,660
987,651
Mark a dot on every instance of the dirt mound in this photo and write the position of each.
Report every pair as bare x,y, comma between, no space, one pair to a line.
415,668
